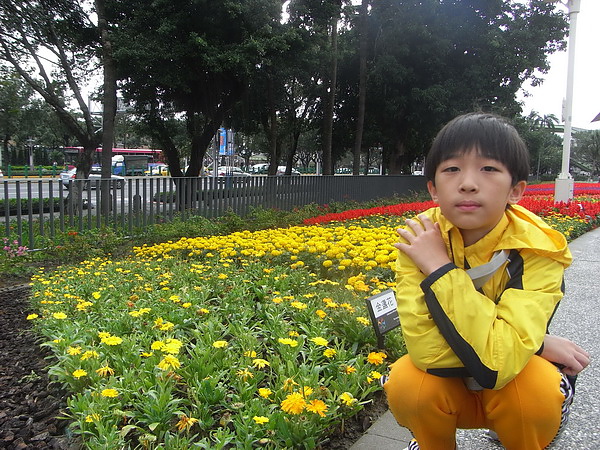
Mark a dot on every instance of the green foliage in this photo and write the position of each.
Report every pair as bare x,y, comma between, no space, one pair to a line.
588,149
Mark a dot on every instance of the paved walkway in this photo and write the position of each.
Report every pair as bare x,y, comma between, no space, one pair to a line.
577,318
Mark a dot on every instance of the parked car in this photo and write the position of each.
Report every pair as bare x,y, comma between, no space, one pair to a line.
157,170
263,169
231,171
259,169
281,171
95,174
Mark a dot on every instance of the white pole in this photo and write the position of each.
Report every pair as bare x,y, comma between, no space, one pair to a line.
563,188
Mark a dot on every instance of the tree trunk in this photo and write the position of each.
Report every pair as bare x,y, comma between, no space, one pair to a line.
329,95
272,129
362,87
5,153
396,160
109,109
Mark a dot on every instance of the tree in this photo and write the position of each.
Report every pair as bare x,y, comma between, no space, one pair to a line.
433,60
15,96
51,46
544,145
588,149
109,103
362,85
174,58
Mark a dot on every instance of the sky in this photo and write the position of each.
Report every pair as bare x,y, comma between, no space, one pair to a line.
548,98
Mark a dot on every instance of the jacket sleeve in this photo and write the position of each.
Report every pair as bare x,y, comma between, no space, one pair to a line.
452,326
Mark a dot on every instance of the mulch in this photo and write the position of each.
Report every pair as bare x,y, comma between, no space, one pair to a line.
30,406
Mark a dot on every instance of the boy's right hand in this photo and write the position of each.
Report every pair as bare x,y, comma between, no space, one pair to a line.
566,353
424,245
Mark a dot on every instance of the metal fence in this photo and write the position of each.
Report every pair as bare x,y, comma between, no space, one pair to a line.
37,211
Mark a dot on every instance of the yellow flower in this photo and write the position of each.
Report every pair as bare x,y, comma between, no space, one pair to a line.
288,341
105,371
276,299
264,392
373,376
157,345
260,419
220,344
293,334
250,353
92,418
299,305
185,422
163,325
260,363
103,334
244,374
59,315
222,276
363,321
172,346
89,354
32,316
293,404
317,406
376,357
202,311
112,340
327,263
74,350
186,305
288,384
79,373
146,354
110,393
322,314
139,312
320,341
307,391
169,362
349,370
330,352
348,399
81,306
96,295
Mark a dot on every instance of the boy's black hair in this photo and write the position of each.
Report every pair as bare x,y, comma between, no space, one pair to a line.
491,135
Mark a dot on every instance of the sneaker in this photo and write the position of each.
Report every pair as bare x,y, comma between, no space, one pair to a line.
567,388
413,445
383,379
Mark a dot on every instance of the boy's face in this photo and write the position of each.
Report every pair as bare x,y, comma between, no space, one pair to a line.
473,192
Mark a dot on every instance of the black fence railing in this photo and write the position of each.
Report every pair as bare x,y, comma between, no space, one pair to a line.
36,211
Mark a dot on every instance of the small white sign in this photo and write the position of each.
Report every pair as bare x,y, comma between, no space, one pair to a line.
383,311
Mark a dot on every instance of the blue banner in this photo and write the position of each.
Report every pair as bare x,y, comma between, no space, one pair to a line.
222,141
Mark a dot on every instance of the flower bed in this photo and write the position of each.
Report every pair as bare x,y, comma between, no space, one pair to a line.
245,340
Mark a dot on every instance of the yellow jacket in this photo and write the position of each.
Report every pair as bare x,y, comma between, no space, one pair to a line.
451,329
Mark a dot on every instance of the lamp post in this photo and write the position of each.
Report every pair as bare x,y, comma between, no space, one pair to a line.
563,187
30,141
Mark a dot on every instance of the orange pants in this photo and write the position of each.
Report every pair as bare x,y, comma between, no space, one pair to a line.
525,413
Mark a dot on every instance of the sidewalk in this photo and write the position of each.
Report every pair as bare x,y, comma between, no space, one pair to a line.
578,319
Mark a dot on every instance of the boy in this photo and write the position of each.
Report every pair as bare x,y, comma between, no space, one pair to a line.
478,281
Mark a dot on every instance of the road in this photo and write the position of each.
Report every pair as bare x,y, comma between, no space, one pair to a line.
46,187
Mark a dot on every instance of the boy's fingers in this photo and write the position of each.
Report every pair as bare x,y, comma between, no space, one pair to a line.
426,221
582,359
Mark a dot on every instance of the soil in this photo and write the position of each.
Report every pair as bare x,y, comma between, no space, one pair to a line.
31,406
